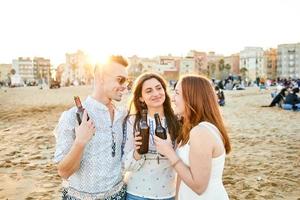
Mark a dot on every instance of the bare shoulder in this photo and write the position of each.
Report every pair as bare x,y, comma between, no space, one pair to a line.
201,135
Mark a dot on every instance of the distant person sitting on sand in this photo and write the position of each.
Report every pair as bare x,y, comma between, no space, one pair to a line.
262,84
220,95
278,99
221,85
292,101
278,89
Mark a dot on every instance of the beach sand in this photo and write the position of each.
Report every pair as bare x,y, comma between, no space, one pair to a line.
264,163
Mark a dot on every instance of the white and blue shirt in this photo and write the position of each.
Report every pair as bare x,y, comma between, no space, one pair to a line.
145,177
99,171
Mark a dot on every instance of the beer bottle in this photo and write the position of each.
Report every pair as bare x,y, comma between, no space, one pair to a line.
80,110
144,133
160,131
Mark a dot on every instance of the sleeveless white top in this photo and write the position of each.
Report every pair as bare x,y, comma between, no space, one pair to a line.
215,189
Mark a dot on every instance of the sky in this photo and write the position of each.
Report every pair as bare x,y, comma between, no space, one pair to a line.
147,28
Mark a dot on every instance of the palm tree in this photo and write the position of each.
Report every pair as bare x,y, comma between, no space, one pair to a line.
13,71
227,69
212,70
221,66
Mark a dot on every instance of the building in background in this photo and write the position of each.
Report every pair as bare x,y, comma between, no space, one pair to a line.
288,60
24,68
232,64
270,64
195,62
77,69
187,65
251,59
42,68
215,65
5,70
169,66
138,65
33,70
201,61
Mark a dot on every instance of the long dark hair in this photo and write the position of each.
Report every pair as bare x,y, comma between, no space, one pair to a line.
136,106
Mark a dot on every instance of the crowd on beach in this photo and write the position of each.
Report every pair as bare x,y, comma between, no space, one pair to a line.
286,95
229,83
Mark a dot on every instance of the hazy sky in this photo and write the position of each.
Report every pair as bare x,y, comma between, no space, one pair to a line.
50,28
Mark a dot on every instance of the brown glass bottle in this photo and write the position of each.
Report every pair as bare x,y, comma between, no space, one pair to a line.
144,133
160,131
80,110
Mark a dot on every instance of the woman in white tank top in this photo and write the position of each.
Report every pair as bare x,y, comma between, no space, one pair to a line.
202,144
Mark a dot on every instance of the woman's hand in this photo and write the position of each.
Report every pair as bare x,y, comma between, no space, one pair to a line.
165,147
137,146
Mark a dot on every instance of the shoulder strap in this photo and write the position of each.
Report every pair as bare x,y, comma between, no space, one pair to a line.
214,130
124,129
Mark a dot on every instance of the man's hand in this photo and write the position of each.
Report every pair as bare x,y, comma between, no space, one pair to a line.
85,131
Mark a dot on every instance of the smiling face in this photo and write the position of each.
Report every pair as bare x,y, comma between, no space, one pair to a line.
114,81
178,101
153,93
111,79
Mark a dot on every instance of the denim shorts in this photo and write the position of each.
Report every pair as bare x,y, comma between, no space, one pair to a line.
133,197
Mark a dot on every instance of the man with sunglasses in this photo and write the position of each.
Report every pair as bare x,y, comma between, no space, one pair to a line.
89,154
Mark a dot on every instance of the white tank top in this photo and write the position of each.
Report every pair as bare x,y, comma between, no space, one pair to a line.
215,189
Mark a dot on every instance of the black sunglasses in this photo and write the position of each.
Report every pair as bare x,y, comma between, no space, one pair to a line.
121,80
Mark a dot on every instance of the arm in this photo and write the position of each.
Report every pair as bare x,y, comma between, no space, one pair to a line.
178,180
71,162
201,147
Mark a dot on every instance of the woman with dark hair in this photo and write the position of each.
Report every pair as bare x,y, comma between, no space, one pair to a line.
149,176
220,96
203,141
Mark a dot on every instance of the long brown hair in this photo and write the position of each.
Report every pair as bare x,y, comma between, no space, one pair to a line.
200,105
136,106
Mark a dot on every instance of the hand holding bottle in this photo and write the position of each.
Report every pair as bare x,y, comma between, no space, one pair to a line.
137,145
85,131
164,147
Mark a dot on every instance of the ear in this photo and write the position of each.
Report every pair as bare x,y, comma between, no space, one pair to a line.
99,80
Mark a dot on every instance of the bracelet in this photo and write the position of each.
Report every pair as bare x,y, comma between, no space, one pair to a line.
176,162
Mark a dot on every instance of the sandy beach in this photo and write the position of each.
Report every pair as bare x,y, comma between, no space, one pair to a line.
264,163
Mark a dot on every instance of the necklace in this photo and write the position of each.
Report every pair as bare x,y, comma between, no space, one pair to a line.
110,107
